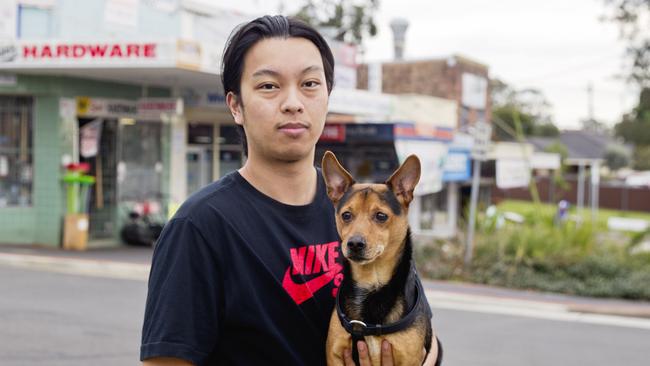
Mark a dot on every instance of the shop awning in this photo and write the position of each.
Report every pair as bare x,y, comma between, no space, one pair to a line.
430,144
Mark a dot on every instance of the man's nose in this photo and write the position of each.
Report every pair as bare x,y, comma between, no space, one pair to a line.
292,102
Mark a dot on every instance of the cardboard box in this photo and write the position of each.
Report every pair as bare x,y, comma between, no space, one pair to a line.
75,232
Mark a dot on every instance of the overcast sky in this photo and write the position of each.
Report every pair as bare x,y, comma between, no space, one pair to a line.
557,46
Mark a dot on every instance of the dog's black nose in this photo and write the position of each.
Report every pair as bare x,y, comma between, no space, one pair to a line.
356,244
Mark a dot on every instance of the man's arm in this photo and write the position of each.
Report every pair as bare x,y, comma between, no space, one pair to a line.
166,361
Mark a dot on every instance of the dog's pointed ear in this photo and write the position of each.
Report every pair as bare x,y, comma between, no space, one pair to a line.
337,179
404,180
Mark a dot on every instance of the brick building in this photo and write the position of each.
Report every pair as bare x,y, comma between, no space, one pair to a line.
457,78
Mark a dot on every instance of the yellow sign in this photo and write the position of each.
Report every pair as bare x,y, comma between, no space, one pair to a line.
83,104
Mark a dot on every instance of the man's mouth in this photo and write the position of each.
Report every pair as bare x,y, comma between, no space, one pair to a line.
293,128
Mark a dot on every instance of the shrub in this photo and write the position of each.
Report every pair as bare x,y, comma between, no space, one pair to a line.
542,256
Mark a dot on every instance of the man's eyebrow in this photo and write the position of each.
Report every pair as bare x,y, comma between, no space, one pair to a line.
267,72
312,68
273,73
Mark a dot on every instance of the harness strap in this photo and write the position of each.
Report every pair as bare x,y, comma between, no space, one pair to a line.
358,329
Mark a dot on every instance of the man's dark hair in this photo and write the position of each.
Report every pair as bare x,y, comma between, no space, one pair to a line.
248,34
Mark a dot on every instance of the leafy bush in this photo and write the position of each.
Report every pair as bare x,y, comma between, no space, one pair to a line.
540,255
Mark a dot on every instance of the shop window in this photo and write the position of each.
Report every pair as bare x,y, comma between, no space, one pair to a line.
34,22
433,210
141,167
16,168
464,118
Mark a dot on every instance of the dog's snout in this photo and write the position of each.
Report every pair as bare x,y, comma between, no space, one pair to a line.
356,243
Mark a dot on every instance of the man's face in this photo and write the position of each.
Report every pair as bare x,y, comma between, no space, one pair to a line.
284,98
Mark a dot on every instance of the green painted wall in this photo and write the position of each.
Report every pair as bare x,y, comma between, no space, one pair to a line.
41,223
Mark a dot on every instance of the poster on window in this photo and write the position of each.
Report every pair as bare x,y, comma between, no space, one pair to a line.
91,135
8,19
4,166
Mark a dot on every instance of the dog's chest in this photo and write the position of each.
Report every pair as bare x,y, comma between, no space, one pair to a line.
374,347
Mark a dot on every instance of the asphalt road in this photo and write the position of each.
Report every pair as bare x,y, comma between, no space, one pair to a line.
60,319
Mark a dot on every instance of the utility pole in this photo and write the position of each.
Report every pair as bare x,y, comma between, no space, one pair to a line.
590,100
481,132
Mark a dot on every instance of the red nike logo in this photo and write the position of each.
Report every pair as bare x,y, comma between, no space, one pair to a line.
300,292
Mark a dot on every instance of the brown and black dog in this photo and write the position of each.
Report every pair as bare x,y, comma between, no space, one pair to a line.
380,296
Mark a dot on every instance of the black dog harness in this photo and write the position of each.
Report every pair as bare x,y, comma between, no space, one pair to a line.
358,329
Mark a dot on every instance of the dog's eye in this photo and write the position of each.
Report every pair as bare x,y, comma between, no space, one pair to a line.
381,217
346,216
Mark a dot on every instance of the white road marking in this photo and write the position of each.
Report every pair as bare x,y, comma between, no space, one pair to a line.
84,267
527,308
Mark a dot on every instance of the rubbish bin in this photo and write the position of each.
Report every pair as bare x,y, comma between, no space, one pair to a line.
75,222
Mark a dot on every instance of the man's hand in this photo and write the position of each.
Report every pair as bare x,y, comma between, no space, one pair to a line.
364,357
430,360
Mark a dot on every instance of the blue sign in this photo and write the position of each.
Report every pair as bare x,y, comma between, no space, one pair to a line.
457,166
367,132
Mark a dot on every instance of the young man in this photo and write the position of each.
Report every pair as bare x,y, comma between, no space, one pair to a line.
246,272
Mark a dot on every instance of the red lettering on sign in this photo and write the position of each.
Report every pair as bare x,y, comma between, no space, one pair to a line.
97,50
78,51
116,51
46,51
149,50
132,49
29,51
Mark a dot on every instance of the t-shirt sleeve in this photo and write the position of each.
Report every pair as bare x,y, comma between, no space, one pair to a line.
183,306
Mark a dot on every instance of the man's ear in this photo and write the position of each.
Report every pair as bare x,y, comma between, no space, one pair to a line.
337,179
404,180
235,107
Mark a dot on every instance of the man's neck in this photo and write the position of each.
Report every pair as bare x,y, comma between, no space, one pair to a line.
290,183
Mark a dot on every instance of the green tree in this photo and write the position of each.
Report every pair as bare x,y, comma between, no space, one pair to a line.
529,105
632,17
635,129
616,158
558,177
351,20
642,157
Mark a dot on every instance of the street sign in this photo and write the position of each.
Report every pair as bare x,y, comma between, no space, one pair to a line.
482,133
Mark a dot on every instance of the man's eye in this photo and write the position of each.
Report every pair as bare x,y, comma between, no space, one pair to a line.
267,86
346,216
381,217
311,84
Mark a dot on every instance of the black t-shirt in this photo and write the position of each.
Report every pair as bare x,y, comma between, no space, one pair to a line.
241,279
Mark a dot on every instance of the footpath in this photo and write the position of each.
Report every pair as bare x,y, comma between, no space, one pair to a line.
131,263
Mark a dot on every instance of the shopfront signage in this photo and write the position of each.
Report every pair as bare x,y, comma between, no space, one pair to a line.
153,108
457,166
369,132
333,133
48,54
512,173
96,107
193,97
147,108
87,50
417,131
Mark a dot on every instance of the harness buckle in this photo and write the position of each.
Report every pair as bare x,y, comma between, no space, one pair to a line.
358,327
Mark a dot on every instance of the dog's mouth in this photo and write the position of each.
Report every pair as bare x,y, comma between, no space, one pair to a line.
364,256
356,257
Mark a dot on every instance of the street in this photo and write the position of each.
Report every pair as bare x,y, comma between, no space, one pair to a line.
65,319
